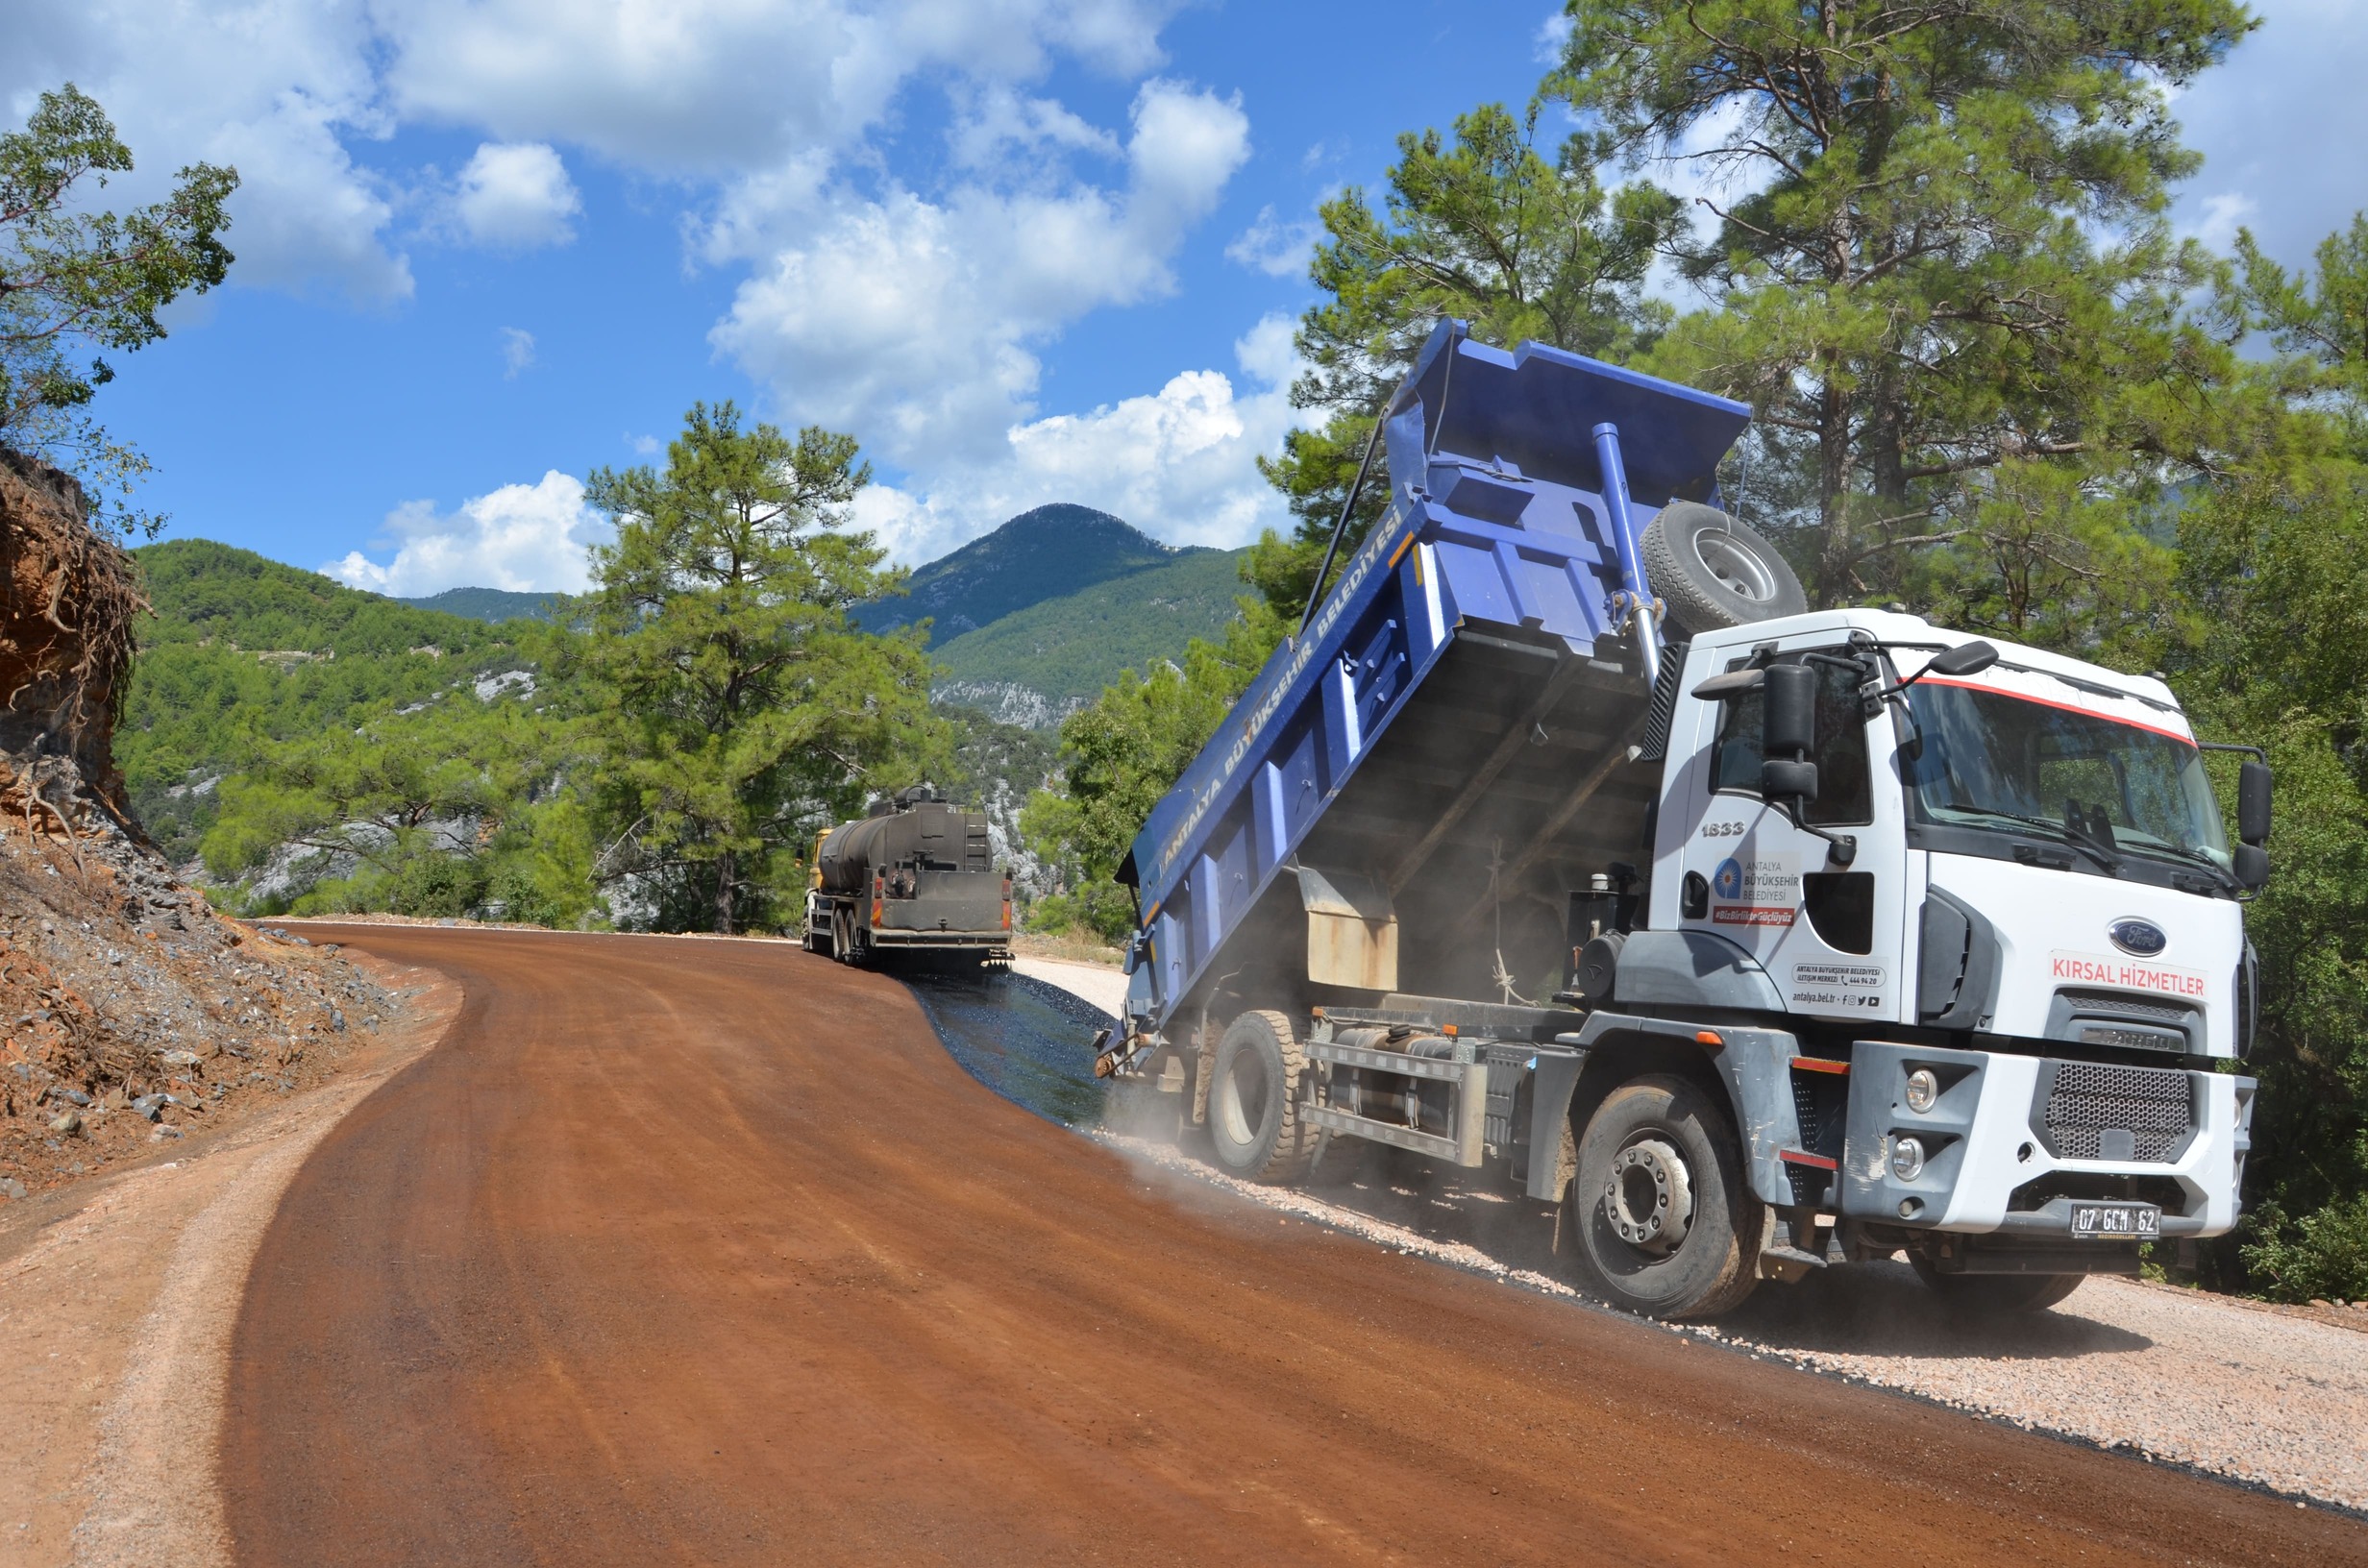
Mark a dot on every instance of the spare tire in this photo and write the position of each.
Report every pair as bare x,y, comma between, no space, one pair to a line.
1713,572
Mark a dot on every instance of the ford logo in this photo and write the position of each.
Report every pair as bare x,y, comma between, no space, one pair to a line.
2140,939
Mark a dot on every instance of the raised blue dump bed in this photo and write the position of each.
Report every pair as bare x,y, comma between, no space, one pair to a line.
1443,742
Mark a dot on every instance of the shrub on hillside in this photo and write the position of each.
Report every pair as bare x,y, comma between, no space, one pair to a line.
2321,1257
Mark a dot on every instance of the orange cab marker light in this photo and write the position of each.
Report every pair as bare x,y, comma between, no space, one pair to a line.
1707,1037
1448,1031
1819,1063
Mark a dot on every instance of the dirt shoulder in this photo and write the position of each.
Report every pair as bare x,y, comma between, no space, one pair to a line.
118,1296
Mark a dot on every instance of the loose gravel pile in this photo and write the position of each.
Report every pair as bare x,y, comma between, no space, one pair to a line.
129,1012
2271,1398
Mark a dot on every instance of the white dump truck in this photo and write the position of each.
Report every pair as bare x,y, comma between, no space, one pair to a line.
1563,842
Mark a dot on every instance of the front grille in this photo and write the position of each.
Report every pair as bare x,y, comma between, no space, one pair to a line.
2090,1101
2120,1006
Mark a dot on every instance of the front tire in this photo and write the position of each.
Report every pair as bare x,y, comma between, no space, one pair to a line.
1255,1126
1664,1225
1995,1295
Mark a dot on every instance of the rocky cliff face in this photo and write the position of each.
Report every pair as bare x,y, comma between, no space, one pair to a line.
129,1011
69,600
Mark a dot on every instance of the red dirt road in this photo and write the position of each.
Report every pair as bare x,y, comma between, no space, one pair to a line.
706,1252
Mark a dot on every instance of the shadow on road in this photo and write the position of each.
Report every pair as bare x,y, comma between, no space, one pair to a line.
1029,1041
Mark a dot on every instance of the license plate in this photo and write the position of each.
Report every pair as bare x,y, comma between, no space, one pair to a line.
2116,1222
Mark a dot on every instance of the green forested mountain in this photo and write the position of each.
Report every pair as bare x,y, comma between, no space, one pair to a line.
1048,553
1067,649
242,652
494,604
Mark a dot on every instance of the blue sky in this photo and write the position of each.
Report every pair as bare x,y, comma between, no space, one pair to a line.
1026,250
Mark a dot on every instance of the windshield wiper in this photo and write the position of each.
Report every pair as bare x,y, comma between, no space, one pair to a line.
2220,874
2072,837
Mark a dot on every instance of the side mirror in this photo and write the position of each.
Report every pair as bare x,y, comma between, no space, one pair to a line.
1964,659
1790,708
2252,804
1782,780
1732,683
1789,705
2252,866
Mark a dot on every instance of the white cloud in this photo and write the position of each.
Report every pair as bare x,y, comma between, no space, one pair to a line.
717,89
2220,217
913,320
1548,44
514,196
527,538
1179,463
275,88
1267,353
720,87
909,309
517,351
1274,246
2272,123
1001,123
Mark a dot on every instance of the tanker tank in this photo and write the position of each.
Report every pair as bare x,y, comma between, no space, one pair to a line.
914,878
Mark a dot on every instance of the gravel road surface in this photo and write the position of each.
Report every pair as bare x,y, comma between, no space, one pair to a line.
709,1251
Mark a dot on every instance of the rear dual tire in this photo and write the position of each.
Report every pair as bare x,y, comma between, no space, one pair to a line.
1995,1295
1255,1130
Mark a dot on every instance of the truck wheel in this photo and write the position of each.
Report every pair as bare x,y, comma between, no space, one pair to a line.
1254,1125
1664,1225
1713,572
2003,1295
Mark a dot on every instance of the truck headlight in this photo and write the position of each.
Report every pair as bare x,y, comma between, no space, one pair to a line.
1923,1090
1907,1159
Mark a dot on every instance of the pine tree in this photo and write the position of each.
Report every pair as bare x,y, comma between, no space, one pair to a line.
737,710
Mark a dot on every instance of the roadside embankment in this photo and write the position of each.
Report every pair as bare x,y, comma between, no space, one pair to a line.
119,1292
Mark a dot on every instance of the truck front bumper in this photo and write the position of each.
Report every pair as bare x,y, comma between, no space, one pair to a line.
2012,1142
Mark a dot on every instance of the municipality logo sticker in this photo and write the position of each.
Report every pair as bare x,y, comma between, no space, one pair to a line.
1727,882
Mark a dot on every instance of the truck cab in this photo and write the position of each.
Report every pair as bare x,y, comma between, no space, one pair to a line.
2014,880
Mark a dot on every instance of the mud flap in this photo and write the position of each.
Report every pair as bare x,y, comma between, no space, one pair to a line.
1754,1064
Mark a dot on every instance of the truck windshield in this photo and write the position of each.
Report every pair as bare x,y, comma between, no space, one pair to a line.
1995,762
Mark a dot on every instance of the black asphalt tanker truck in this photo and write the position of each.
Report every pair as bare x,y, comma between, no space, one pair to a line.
1564,843
916,880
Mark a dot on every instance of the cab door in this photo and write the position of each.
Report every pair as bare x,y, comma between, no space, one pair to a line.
1829,933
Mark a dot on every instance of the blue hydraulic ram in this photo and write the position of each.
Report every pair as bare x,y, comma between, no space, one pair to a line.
1520,485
